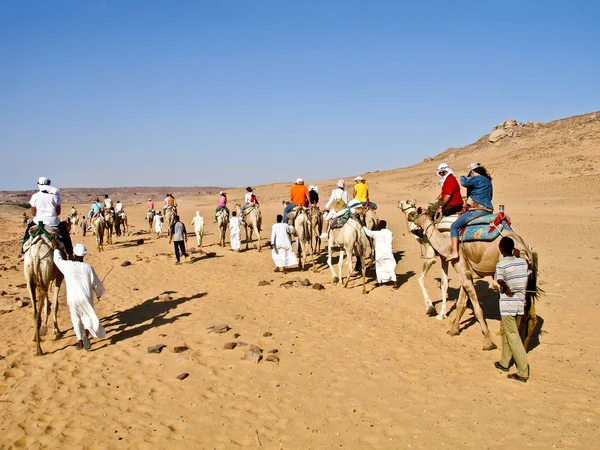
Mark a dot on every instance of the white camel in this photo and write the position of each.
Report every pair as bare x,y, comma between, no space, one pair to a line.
99,227
428,255
40,272
348,238
122,225
302,229
223,224
109,222
169,218
150,219
316,227
252,219
479,259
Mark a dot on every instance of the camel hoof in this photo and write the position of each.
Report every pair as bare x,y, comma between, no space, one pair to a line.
453,332
58,335
43,331
441,317
336,280
431,311
490,346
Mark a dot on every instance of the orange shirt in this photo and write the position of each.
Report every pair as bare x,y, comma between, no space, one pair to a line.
298,194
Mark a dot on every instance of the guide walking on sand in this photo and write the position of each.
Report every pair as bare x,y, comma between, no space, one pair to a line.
81,281
283,252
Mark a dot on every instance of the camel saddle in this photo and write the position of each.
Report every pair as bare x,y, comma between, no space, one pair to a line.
293,213
340,221
485,228
249,208
44,232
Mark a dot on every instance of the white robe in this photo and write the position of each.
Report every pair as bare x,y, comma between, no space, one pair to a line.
81,280
158,224
198,222
234,233
283,252
385,263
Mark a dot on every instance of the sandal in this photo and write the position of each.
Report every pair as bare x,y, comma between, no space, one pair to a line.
86,342
514,376
499,366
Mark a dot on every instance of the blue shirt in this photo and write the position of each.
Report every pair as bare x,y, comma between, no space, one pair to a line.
480,189
96,207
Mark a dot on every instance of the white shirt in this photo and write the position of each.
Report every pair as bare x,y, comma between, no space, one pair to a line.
107,203
198,222
81,280
335,194
119,207
248,197
45,208
234,225
280,238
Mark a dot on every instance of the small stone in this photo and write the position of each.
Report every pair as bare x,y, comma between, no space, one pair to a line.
255,349
135,289
164,297
211,254
156,348
23,302
3,293
182,376
318,286
267,334
192,250
272,358
230,345
125,263
273,351
139,241
220,329
236,335
180,349
264,283
305,282
254,357
242,344
238,317
22,285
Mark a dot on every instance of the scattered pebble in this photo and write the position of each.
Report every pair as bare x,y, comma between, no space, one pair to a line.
139,241
264,283
164,298
273,351
236,335
218,328
230,345
305,282
125,263
182,376
267,334
22,285
255,349
318,286
238,317
180,349
254,357
272,358
156,348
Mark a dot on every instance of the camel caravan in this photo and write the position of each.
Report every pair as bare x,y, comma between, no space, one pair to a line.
457,231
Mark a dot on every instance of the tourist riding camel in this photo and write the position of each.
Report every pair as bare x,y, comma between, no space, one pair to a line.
170,203
249,199
150,205
298,197
313,195
361,194
480,192
338,201
222,205
46,207
449,201
107,203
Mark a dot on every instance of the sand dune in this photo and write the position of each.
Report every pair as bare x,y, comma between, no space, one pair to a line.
355,371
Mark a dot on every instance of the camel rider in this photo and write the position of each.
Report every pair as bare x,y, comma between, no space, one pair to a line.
361,194
46,207
150,205
73,212
249,199
222,205
108,203
119,207
449,201
298,197
96,210
313,195
337,202
480,191
170,203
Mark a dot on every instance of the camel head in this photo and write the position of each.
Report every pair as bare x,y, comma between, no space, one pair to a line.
406,205
420,218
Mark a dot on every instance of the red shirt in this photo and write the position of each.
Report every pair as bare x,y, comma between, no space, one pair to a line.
452,189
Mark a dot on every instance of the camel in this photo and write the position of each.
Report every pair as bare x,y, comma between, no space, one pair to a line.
252,219
348,237
99,226
40,272
169,218
223,224
109,222
428,255
302,228
150,219
371,221
316,225
121,223
479,258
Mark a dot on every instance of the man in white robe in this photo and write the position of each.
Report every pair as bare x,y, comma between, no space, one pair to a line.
158,223
282,250
198,222
235,232
385,263
81,280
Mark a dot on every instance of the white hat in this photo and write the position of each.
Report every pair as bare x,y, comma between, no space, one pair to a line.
221,193
80,250
358,178
442,166
44,181
299,180
341,183
473,166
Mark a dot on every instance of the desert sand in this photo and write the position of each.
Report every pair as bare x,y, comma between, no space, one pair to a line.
355,371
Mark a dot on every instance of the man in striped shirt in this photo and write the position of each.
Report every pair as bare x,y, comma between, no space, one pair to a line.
511,276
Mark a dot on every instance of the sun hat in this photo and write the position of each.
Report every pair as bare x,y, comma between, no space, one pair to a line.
473,166
341,183
358,178
221,193
80,250
299,180
44,181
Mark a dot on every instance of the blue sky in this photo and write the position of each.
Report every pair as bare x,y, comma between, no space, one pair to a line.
230,93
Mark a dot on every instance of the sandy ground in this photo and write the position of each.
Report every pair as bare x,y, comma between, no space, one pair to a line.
355,371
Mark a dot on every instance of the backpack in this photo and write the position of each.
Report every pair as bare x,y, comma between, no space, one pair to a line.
338,204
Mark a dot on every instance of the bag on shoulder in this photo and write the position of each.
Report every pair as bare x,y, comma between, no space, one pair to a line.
338,204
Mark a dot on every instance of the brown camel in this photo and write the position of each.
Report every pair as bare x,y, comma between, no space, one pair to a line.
316,226
479,259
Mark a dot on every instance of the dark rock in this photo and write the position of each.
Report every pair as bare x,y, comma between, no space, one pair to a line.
3,293
238,317
22,285
25,301
210,254
125,263
218,328
139,241
182,376
255,349
180,349
267,334
156,348
230,345
272,358
254,357
273,351
318,286
305,282
236,335
264,283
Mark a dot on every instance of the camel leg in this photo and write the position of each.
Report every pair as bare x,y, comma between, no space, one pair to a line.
340,266
45,313
364,272
349,257
429,308
531,323
329,263
38,322
444,277
258,238
246,230
57,284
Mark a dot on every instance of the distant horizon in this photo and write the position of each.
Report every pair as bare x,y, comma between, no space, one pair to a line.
245,92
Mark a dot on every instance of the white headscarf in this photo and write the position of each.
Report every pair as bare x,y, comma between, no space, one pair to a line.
314,188
197,213
448,170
